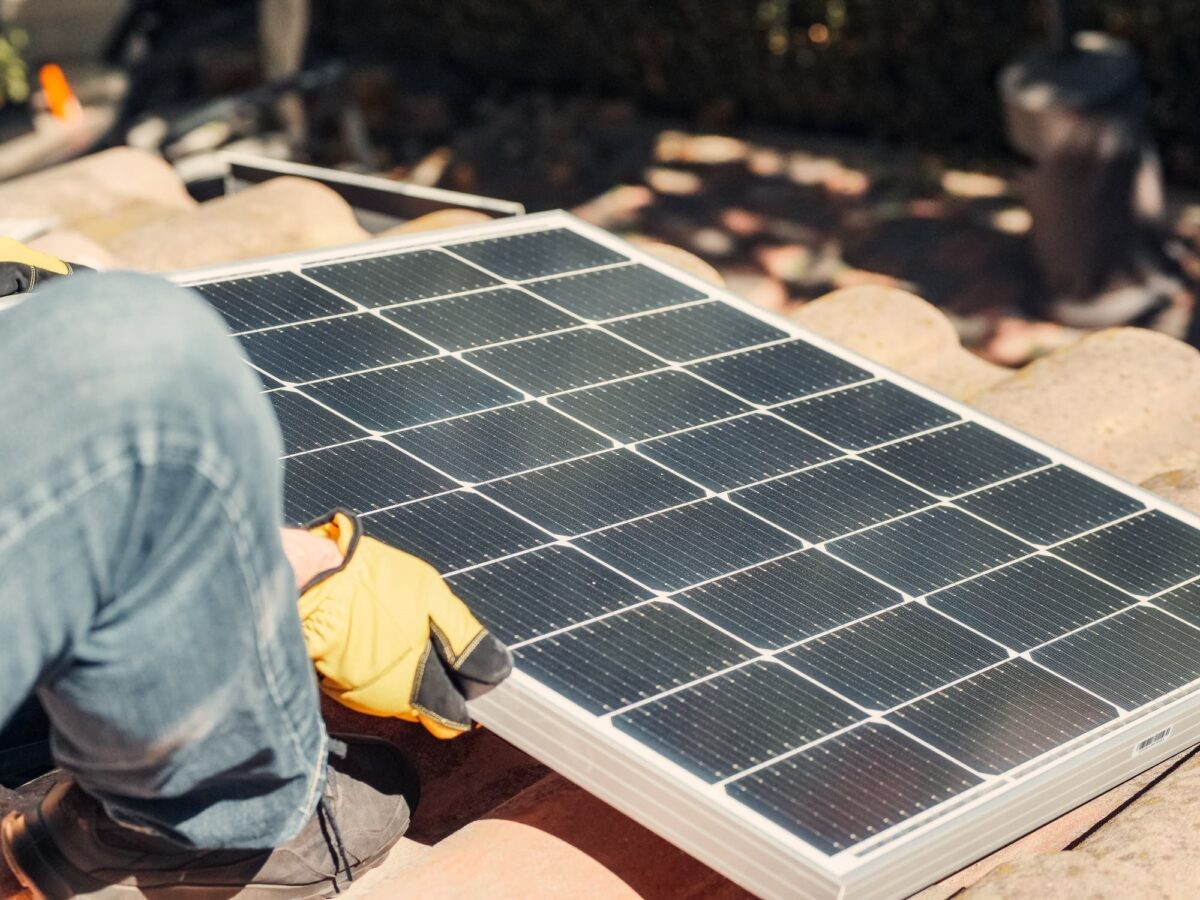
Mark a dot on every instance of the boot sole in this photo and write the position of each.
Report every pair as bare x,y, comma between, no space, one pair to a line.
45,873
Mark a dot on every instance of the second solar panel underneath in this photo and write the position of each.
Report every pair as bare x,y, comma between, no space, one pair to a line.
806,585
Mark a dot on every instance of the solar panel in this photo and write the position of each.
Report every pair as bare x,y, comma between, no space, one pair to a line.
828,631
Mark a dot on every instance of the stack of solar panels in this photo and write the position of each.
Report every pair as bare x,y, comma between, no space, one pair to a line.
816,610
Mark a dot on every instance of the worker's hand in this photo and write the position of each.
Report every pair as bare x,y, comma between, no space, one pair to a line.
23,268
389,638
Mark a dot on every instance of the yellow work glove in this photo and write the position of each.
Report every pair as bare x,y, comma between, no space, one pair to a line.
389,638
23,268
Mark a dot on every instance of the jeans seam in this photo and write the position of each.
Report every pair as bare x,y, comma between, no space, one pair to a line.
237,517
41,512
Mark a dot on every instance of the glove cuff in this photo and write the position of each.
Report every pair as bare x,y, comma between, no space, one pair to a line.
22,268
343,528
15,252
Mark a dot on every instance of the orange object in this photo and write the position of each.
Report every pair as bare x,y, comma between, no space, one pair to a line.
60,99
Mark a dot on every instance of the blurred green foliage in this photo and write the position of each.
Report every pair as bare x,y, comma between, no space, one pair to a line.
14,74
922,71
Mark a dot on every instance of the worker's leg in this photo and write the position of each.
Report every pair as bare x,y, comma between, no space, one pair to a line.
143,590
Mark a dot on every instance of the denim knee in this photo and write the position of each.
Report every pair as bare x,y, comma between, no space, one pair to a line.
135,348
122,321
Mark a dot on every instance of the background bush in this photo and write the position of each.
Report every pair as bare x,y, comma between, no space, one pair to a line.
918,71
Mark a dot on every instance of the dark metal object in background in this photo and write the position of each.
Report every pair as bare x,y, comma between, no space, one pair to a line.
159,42
156,43
283,30
1077,112
1061,25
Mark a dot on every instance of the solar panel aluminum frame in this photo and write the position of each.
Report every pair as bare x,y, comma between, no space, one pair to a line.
388,200
699,817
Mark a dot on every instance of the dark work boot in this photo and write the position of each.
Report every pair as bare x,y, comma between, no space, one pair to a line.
65,845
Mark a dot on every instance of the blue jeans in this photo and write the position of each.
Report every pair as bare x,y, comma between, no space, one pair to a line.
144,594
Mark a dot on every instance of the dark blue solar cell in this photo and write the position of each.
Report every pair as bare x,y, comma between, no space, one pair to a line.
833,499
649,405
730,722
454,531
1051,505
589,493
853,786
787,600
631,656
1143,555
608,293
867,414
1030,602
561,361
312,350
526,596
687,545
928,550
400,277
307,426
274,299
1003,717
536,253
779,372
706,329
361,476
1183,602
956,459
1131,659
498,442
484,317
892,657
412,394
735,452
